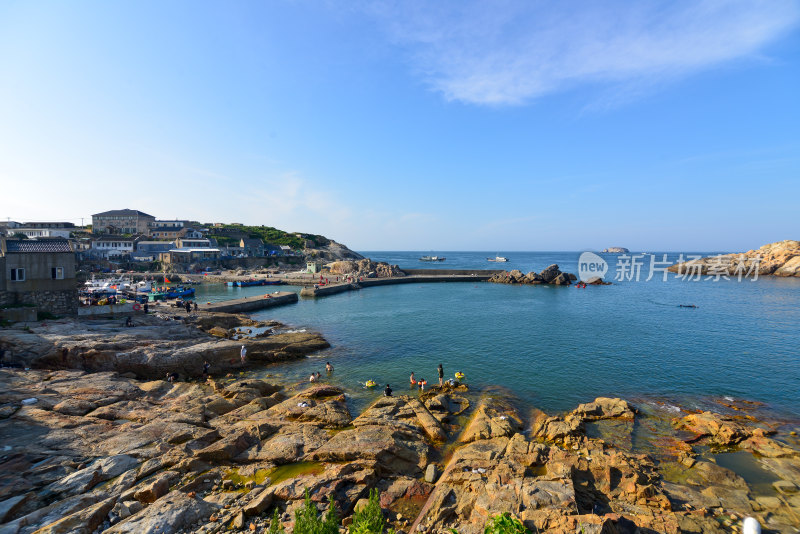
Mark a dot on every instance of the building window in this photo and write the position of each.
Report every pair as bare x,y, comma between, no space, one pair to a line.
17,275
57,273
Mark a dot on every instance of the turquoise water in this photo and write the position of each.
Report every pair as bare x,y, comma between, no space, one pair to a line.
558,346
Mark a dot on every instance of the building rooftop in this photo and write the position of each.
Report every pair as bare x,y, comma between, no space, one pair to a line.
113,238
167,229
28,245
251,241
122,213
49,224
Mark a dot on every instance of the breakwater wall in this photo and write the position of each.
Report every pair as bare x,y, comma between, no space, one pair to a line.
451,272
251,304
466,276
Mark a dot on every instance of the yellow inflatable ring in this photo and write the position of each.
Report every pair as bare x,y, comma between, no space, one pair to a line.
370,384
460,376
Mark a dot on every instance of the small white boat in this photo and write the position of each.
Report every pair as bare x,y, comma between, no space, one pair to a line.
497,258
431,258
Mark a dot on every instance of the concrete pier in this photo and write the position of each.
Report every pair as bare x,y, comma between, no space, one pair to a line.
441,276
251,304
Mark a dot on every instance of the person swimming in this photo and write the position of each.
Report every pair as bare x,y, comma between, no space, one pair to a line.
328,367
422,382
412,379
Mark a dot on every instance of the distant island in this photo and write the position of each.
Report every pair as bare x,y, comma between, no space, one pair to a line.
616,250
778,259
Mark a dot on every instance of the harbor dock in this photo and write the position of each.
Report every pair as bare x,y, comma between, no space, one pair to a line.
251,304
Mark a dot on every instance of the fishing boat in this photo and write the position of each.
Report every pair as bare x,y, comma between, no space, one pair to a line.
179,292
497,258
431,258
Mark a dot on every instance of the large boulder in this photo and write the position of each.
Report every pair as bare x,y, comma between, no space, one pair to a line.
550,273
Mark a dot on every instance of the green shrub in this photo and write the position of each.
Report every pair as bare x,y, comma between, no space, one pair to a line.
369,520
308,521
275,526
505,524
45,316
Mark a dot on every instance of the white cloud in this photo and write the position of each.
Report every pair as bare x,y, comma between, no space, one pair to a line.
510,52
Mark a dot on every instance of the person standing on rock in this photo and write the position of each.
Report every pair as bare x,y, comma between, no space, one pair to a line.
441,375
243,354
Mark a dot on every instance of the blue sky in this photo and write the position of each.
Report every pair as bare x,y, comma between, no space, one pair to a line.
468,125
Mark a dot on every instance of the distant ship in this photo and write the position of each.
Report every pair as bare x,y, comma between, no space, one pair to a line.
431,258
497,258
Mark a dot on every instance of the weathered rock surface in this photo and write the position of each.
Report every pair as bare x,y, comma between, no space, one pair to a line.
153,348
364,268
779,259
102,452
550,275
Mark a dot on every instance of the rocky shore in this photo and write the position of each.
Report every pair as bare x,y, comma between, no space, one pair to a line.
777,259
97,452
91,440
160,343
550,275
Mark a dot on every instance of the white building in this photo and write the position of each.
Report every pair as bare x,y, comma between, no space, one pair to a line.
111,246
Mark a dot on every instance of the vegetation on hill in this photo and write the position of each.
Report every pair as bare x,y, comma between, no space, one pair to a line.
230,234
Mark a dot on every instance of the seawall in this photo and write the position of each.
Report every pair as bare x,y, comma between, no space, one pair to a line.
444,275
251,304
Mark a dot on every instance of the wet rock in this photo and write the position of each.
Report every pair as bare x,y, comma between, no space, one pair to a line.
605,408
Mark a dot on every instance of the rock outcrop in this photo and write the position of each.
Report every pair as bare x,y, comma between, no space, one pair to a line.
615,250
550,275
778,259
365,268
156,346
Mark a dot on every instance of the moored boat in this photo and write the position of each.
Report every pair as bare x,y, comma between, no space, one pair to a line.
176,292
497,258
431,258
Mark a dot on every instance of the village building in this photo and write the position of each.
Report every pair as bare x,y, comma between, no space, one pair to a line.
111,247
184,242
150,250
189,255
39,230
125,221
252,247
168,232
38,273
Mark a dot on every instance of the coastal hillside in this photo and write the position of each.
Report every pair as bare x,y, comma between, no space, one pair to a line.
778,259
313,246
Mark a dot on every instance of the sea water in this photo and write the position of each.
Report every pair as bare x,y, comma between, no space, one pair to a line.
555,347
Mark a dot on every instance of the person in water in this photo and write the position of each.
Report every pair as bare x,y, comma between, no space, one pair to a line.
412,379
328,367
388,391
441,375
421,384
313,377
